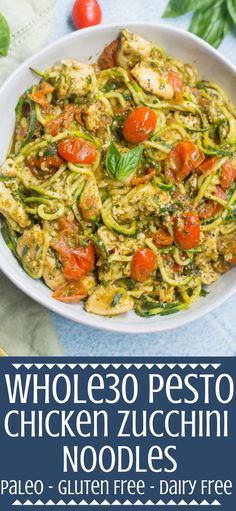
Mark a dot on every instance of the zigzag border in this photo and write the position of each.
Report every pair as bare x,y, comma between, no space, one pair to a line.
116,503
115,366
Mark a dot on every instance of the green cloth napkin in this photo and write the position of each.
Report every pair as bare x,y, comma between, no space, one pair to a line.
26,328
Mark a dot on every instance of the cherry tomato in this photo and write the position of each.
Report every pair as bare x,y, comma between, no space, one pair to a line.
139,124
135,181
86,13
143,264
70,292
208,165
77,150
228,175
211,208
79,262
65,225
187,230
40,96
181,160
50,164
176,81
162,238
62,121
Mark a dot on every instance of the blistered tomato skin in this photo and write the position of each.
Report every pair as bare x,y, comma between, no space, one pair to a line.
139,125
143,264
77,150
187,230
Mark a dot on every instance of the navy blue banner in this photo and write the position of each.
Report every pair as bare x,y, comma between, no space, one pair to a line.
117,432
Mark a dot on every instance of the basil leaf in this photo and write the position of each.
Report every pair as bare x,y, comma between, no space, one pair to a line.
231,6
4,36
129,162
112,160
117,298
209,23
179,7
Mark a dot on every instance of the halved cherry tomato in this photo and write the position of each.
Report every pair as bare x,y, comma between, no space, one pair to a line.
50,164
208,165
143,264
176,81
70,292
40,96
181,160
139,124
79,262
62,121
187,230
228,175
162,238
65,225
86,13
135,181
77,150
211,208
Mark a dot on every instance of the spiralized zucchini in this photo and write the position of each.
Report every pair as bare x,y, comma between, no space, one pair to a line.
100,215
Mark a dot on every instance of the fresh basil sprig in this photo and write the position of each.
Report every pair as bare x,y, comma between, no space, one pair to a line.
212,19
4,36
121,166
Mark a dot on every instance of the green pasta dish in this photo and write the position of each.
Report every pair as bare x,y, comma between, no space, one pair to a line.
119,186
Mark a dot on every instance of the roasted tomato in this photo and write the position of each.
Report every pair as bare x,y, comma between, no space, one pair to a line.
181,160
207,166
228,175
135,181
108,57
176,81
162,238
70,292
77,150
211,208
48,165
187,230
139,124
62,121
143,264
79,263
40,96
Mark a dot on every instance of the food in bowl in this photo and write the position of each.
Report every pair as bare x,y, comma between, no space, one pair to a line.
119,186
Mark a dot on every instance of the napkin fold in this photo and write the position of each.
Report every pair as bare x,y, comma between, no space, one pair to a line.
26,328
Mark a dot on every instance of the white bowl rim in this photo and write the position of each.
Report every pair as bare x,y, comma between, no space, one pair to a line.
93,320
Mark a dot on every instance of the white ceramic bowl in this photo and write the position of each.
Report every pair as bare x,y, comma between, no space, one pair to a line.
81,45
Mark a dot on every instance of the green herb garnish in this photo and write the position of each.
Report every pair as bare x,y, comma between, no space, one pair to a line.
121,166
211,19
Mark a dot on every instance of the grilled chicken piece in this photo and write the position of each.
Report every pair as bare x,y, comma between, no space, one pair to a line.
73,78
151,80
109,301
12,208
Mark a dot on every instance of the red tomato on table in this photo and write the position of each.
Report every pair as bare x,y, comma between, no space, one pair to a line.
143,264
139,124
86,13
187,230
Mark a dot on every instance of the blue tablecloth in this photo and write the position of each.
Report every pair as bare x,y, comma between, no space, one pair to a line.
213,335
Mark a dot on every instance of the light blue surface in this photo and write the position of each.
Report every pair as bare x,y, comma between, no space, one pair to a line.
213,335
